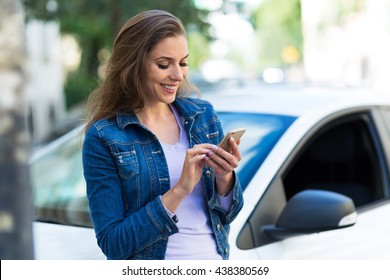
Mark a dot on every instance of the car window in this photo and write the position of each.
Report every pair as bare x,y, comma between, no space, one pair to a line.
344,157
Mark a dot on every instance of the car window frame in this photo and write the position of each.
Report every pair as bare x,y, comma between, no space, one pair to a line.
382,119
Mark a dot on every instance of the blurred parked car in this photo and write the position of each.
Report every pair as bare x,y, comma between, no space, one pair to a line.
315,172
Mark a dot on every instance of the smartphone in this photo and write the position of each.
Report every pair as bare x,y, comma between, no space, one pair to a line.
236,134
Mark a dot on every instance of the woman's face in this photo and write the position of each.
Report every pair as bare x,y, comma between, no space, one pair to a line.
166,68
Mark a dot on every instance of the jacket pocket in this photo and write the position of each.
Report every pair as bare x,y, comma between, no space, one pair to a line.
127,164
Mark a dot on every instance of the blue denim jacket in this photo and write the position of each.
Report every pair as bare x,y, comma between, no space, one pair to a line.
126,172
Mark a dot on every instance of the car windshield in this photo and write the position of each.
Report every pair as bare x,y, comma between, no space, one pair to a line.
262,133
57,175
58,184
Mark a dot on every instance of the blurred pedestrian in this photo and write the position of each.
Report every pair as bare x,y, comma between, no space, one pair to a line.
158,185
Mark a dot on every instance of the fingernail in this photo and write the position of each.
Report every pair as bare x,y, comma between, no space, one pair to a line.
214,147
210,153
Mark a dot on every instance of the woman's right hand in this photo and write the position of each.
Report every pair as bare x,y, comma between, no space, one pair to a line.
190,176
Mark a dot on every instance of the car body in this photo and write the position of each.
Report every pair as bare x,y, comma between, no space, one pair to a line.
315,172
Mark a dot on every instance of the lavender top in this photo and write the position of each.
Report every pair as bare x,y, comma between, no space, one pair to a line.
195,239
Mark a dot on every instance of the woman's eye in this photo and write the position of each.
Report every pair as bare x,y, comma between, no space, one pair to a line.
162,66
184,64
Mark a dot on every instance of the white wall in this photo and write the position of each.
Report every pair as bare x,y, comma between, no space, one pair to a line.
45,77
354,51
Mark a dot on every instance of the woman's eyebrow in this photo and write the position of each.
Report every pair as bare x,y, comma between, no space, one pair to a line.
169,58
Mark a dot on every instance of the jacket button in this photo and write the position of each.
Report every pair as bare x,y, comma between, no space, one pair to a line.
226,251
208,173
218,227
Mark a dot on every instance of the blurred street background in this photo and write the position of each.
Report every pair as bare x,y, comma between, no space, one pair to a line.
53,53
66,45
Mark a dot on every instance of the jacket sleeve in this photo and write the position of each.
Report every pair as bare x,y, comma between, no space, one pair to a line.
118,236
237,204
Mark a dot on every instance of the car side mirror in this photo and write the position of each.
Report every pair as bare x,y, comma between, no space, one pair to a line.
313,211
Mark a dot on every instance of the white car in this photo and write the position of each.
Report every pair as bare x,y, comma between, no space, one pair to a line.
315,171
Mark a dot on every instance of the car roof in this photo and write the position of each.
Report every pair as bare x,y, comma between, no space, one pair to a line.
292,100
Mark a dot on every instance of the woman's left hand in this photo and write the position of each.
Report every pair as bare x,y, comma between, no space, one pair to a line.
223,164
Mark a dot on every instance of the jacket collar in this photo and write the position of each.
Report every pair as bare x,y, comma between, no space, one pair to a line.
185,107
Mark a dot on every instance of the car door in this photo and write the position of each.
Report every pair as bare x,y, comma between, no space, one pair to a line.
344,154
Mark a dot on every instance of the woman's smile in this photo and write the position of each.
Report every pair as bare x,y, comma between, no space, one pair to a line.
170,88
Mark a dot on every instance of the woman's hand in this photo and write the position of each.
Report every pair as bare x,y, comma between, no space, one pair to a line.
192,168
223,164
190,176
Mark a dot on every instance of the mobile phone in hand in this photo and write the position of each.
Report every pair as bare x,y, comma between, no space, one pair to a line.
236,134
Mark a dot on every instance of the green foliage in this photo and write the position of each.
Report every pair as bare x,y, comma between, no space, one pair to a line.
344,8
339,12
278,25
198,48
78,88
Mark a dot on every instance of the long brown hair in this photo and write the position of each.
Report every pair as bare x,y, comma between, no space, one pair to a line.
122,89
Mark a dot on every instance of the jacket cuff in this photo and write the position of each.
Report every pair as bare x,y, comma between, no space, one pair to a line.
160,218
214,202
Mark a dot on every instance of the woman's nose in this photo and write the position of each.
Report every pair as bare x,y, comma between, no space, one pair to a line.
177,73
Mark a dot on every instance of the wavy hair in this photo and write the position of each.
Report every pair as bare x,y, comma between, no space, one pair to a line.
122,88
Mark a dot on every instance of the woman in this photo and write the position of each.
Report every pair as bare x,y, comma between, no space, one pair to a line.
158,185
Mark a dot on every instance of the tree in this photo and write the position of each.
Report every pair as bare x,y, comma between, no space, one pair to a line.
278,24
95,24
